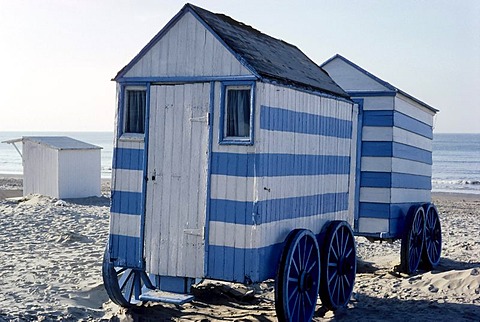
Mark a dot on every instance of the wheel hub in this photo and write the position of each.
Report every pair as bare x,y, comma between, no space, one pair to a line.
305,281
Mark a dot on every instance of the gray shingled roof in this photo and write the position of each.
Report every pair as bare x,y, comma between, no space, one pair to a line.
268,58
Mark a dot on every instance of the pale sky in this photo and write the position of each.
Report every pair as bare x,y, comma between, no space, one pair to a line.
58,56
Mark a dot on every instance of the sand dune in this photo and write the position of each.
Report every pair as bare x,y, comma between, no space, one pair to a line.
52,250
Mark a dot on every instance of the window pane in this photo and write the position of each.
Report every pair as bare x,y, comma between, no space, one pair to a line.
135,115
238,112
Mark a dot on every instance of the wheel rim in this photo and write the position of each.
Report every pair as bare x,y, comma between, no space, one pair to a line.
412,242
298,278
416,240
433,237
340,266
123,285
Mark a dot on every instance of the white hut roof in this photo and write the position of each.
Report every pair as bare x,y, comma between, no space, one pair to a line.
57,142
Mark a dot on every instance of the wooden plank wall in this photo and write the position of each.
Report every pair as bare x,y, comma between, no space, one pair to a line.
187,49
296,175
127,202
396,162
40,169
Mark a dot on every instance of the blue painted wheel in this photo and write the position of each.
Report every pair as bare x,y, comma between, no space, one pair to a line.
123,285
298,277
412,240
339,265
432,246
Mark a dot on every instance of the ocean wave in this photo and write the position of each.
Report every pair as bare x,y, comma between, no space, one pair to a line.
456,182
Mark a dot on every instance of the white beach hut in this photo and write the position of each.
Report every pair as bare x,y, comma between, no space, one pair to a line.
60,167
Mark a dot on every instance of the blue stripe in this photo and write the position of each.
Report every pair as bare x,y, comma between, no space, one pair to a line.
378,118
279,119
383,210
124,202
124,250
272,165
262,212
394,118
130,159
394,149
410,124
243,265
395,180
395,213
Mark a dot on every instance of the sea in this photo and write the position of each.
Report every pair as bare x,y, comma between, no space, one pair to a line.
456,158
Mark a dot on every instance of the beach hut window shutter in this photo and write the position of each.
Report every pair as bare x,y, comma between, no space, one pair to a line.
135,111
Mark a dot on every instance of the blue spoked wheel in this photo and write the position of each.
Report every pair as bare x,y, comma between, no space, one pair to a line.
123,285
412,240
298,277
432,246
339,265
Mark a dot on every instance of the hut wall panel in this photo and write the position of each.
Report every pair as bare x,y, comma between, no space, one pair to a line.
126,201
299,176
373,225
350,78
85,166
40,170
413,109
396,134
187,49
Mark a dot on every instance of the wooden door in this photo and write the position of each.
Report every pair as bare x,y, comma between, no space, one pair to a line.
177,179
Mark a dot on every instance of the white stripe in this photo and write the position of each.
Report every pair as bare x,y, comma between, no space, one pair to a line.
242,188
386,164
377,133
414,110
125,225
301,143
381,195
128,142
128,180
395,134
267,234
298,101
376,164
394,195
373,225
382,103
412,139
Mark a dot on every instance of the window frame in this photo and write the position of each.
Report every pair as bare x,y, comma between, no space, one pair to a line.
123,124
236,140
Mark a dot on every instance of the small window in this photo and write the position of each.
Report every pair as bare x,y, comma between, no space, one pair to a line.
135,102
238,108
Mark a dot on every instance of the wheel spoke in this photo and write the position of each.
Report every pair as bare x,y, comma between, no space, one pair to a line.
345,245
349,253
125,278
308,270
332,277
129,289
308,257
334,252
346,280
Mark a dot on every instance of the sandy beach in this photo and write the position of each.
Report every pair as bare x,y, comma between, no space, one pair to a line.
52,252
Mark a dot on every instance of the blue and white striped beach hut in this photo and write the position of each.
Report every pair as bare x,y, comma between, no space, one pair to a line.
234,152
394,167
